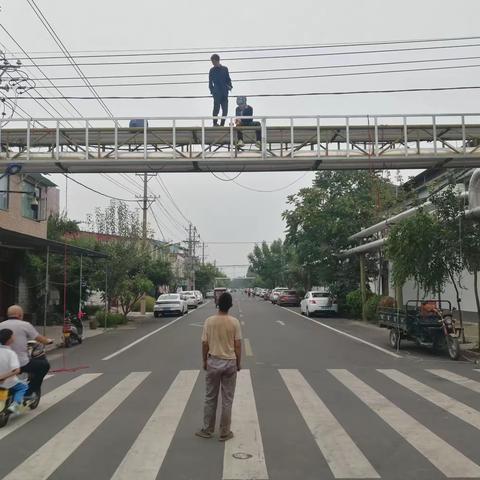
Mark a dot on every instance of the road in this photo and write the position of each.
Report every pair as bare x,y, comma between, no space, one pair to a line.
312,403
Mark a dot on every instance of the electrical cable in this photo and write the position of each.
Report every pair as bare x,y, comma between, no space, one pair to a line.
96,191
271,191
266,57
165,189
264,79
271,70
118,184
266,48
266,95
157,223
62,47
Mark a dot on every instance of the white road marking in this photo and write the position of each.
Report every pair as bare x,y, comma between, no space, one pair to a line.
242,322
451,462
145,457
353,337
458,379
280,322
196,325
247,436
248,347
141,339
49,400
341,453
46,377
452,406
42,463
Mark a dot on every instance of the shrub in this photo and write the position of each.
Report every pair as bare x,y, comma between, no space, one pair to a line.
354,303
91,310
371,306
113,319
149,303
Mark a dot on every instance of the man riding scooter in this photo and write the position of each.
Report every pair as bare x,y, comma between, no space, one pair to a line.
23,331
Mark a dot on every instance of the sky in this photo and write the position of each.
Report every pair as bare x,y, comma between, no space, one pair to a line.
223,211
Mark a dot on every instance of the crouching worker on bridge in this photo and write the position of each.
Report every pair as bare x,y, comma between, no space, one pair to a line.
221,350
245,110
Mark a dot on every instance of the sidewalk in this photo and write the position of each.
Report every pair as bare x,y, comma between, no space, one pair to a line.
55,332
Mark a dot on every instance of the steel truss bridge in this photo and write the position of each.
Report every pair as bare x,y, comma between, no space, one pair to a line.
190,144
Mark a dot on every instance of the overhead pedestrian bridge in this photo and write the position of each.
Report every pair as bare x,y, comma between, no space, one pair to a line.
191,144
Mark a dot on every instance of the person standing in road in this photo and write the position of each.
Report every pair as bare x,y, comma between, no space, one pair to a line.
220,84
23,331
222,352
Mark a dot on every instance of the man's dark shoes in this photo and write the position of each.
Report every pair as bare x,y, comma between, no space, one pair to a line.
224,438
203,433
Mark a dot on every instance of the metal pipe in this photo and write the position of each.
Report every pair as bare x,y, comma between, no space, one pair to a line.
45,306
474,190
366,247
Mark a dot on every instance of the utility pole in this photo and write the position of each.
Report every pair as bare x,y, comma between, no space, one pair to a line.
203,253
145,201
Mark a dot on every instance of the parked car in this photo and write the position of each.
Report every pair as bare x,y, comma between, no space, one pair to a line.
276,292
288,298
266,294
191,298
199,295
316,302
170,303
209,294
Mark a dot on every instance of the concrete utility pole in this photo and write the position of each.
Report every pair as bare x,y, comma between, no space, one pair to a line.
145,202
203,253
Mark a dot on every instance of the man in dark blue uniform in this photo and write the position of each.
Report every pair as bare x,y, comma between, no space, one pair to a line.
220,84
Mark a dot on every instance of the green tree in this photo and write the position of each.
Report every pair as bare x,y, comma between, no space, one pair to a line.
321,218
205,276
270,264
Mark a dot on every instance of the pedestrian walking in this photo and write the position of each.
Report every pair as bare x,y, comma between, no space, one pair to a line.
221,351
220,84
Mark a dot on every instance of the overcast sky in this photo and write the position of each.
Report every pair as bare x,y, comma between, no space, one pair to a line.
223,211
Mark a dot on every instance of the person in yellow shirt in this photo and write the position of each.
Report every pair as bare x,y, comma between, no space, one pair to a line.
221,353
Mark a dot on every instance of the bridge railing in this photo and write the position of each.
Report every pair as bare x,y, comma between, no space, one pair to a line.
291,136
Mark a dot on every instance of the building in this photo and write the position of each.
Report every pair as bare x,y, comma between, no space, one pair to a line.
373,238
26,201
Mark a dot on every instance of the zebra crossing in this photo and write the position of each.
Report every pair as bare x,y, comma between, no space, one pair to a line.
244,457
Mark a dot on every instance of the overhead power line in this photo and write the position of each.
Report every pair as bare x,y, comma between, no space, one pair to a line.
96,191
272,70
264,79
65,51
266,95
267,48
165,189
266,57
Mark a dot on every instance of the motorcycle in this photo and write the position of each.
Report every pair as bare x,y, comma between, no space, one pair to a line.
35,350
72,330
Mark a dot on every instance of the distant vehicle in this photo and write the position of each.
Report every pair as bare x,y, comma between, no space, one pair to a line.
170,303
266,294
318,302
199,295
276,292
217,292
209,294
288,298
191,298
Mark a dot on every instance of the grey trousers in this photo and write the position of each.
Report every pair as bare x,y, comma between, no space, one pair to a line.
221,374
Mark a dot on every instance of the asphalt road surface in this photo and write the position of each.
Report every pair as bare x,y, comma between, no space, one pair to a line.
316,399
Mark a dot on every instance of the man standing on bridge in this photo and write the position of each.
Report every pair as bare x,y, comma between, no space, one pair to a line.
221,350
220,84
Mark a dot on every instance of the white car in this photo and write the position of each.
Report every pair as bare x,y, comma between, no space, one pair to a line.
317,302
191,298
199,295
209,294
169,303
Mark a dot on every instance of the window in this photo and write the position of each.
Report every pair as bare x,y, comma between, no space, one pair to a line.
28,198
4,185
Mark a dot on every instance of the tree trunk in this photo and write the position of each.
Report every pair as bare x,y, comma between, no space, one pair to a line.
477,301
363,286
460,315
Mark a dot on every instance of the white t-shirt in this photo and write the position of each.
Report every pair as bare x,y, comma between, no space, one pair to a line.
8,363
23,332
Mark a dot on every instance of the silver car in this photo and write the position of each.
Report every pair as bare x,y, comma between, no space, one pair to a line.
170,303
191,298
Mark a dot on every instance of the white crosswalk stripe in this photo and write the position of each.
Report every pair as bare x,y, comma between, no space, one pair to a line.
145,457
341,453
452,406
42,463
451,462
247,439
49,400
458,379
